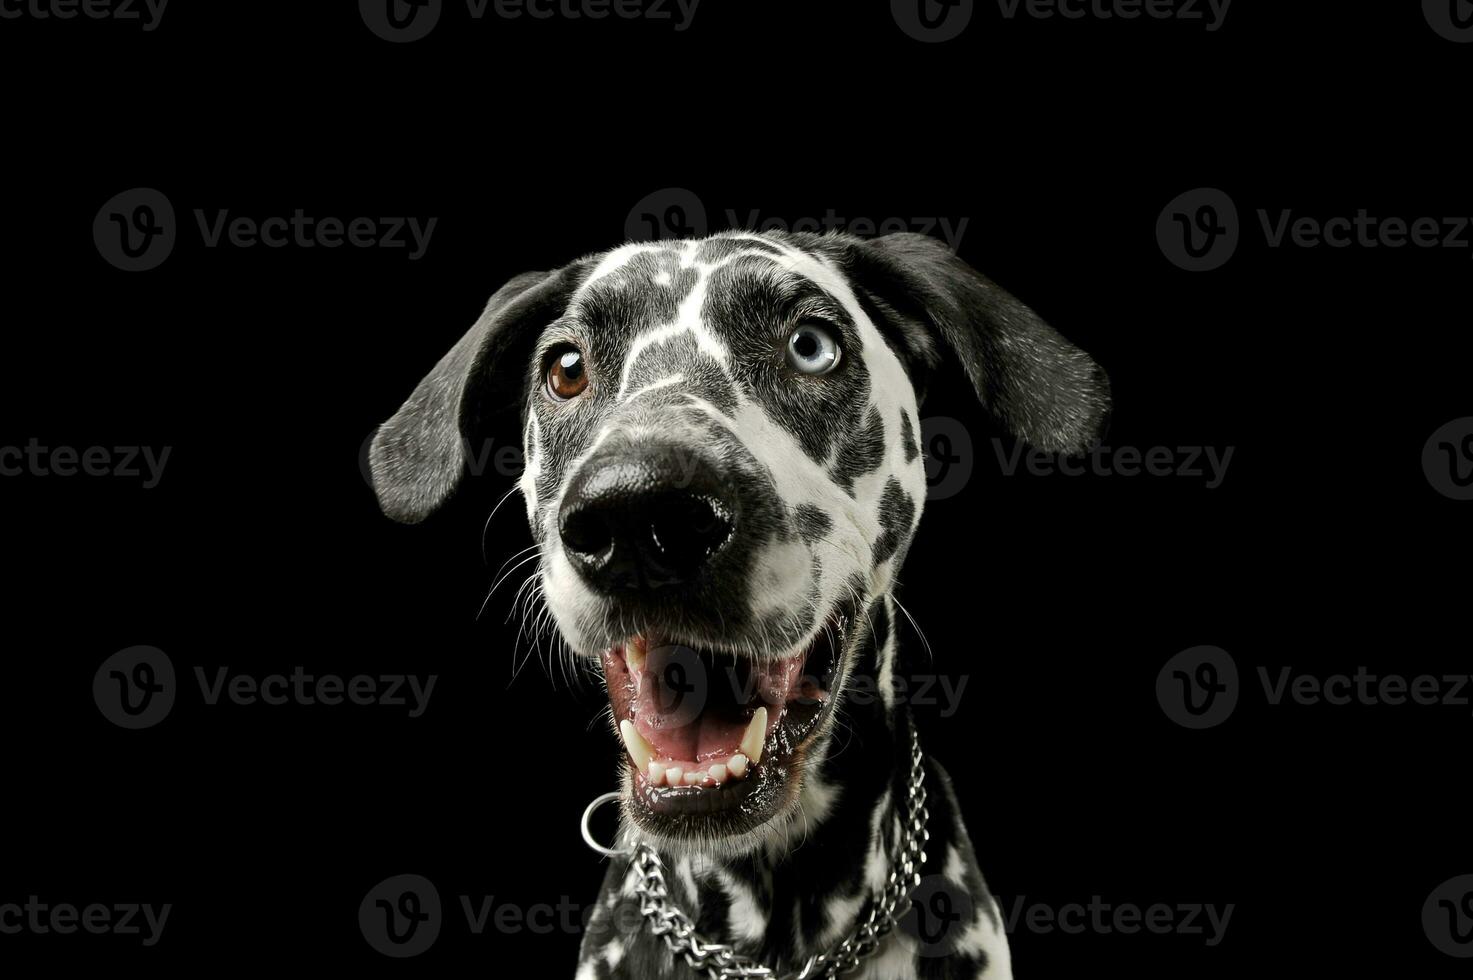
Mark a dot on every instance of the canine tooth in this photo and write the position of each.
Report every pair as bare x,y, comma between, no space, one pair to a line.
718,773
756,731
634,656
673,775
695,778
737,765
639,750
657,774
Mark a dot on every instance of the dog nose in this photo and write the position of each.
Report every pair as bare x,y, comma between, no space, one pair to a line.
645,521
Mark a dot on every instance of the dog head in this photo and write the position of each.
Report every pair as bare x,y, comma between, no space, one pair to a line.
723,474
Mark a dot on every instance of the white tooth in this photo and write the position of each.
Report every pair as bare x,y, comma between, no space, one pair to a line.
695,778
639,750
673,775
657,774
737,765
755,734
718,773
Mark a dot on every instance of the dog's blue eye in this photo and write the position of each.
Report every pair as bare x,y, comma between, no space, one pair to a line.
813,350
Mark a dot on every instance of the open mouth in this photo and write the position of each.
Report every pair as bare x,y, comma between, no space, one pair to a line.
712,736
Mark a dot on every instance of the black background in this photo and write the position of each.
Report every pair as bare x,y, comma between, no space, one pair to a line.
1059,599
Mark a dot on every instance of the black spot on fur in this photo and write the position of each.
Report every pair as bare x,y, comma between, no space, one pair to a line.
812,522
752,304
722,247
715,907
630,297
909,437
861,454
680,354
897,511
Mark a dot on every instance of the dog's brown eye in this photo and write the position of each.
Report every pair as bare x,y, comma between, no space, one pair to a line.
567,376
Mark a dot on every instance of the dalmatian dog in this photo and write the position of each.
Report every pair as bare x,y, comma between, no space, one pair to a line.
724,473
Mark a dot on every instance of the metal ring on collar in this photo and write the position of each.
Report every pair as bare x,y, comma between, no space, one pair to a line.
588,832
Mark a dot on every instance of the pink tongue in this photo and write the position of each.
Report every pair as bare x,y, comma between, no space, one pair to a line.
705,738
691,715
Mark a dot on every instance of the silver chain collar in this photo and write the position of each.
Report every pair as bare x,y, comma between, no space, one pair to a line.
719,961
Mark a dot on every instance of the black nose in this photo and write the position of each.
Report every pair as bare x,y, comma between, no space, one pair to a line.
644,521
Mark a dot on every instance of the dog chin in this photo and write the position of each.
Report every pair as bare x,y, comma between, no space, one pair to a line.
716,741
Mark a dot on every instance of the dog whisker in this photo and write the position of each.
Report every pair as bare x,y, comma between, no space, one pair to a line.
486,529
527,594
498,583
915,626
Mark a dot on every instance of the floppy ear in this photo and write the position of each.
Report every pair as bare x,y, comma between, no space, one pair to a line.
1042,388
418,457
